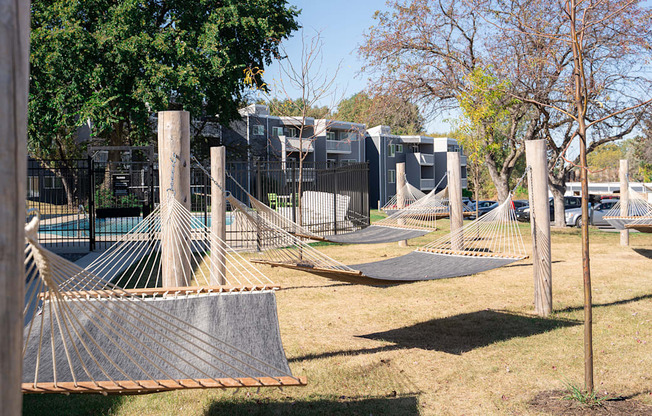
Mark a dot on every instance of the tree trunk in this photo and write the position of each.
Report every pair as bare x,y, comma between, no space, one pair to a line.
500,179
558,191
579,80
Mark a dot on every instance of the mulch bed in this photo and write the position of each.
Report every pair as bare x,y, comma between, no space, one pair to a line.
553,402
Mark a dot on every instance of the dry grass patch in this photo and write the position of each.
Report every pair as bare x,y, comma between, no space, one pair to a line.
467,345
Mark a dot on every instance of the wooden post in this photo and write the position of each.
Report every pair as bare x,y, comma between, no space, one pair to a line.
624,199
535,153
454,169
174,173
218,215
400,194
14,84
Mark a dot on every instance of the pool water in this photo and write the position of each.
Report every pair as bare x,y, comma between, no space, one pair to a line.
108,226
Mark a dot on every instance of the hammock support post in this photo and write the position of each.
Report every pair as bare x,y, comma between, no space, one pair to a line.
174,180
400,196
218,215
624,199
535,153
455,198
14,76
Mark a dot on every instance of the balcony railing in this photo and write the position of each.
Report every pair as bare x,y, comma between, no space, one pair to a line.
425,159
338,146
293,144
427,183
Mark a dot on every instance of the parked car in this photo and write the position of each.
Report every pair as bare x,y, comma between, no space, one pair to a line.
520,203
483,207
596,214
570,202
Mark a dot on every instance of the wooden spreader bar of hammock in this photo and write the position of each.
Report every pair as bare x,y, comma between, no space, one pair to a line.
469,253
644,228
153,386
622,217
308,237
307,267
161,291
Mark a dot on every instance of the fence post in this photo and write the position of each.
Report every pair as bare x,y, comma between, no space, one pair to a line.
400,196
455,199
174,159
259,191
536,159
294,198
336,191
218,215
14,84
91,205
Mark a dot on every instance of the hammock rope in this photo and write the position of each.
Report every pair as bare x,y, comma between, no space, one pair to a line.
104,338
495,238
638,207
410,195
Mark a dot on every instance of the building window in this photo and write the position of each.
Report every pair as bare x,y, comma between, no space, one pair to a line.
32,187
453,148
391,150
259,130
399,148
345,136
330,135
277,131
52,182
290,132
348,161
463,175
391,176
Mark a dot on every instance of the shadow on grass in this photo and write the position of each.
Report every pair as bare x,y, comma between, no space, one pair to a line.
602,305
529,264
457,334
644,252
402,405
73,405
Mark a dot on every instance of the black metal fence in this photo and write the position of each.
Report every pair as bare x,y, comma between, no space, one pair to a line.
87,204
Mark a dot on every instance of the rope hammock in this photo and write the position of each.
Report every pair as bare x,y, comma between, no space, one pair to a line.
642,224
405,224
110,328
491,241
637,208
409,195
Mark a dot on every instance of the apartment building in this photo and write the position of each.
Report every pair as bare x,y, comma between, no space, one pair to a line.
424,157
269,137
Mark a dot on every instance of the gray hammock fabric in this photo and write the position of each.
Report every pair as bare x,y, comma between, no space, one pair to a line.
247,321
420,265
375,234
619,223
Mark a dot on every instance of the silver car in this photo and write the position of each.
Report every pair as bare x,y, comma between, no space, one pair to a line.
596,212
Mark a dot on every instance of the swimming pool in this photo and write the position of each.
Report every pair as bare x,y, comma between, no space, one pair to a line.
114,226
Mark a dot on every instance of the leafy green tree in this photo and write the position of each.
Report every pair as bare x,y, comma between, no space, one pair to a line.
402,116
489,127
115,62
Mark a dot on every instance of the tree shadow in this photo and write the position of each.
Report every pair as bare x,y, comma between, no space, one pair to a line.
602,305
644,252
465,332
400,405
529,263
73,405
457,334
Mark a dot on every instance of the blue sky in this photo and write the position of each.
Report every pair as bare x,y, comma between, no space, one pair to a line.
342,25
